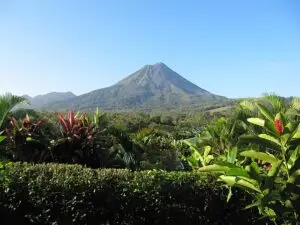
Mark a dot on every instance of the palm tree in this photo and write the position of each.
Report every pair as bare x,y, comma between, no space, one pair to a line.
7,103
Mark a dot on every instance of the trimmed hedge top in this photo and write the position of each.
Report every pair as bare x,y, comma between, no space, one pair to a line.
71,194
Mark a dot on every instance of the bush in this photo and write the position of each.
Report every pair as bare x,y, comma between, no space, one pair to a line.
72,194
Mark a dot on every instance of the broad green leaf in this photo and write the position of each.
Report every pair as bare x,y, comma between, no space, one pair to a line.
190,142
292,127
255,204
254,171
238,182
272,196
294,156
231,155
272,174
193,162
270,212
214,168
227,164
208,159
2,138
225,167
294,176
270,138
257,121
207,150
267,157
237,172
246,139
296,166
285,138
296,135
275,168
265,112
196,155
249,179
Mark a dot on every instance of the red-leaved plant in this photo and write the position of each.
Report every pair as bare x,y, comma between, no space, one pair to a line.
25,142
76,127
76,145
26,127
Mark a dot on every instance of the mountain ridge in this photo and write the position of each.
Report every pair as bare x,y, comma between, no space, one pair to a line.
39,101
150,87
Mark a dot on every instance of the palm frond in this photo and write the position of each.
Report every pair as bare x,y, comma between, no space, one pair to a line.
7,103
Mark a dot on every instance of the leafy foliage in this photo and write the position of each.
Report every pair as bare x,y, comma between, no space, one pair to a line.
24,140
72,194
157,149
275,186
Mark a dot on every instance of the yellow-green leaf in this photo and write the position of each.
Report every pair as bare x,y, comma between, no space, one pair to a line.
270,138
294,176
214,168
294,156
265,111
235,181
257,121
267,157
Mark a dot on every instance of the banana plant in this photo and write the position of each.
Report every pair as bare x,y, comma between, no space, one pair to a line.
199,155
230,155
216,141
99,119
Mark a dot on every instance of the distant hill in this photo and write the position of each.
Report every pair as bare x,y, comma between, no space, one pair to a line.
151,87
40,101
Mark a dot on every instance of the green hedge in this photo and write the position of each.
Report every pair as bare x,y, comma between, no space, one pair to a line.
71,194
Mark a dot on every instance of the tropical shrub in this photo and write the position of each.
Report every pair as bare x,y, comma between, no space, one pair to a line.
24,140
216,141
158,151
274,186
72,194
76,143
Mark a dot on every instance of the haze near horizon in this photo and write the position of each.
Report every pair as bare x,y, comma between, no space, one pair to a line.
232,48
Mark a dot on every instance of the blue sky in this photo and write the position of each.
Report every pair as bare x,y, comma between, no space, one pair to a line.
232,48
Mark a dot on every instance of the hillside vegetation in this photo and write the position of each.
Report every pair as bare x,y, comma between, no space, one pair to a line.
247,156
